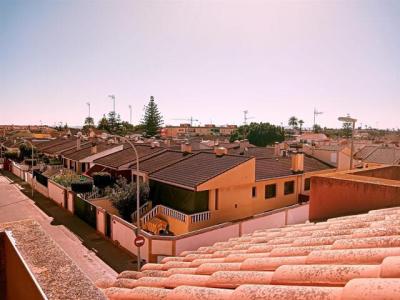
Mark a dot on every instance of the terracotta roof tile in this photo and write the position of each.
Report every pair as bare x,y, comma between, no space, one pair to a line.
355,257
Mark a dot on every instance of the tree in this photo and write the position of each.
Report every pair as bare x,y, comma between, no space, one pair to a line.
293,122
103,124
347,129
301,122
260,134
123,196
89,122
152,119
317,128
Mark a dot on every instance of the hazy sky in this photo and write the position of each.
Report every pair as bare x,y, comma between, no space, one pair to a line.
206,59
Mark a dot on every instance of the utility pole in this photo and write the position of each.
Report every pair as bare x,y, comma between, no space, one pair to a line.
130,114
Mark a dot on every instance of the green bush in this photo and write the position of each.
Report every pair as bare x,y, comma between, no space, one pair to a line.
102,179
11,155
81,186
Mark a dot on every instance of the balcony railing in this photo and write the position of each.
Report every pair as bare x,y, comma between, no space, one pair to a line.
144,209
200,217
166,211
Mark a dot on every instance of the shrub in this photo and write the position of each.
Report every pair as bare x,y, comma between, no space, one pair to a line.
102,179
11,155
81,186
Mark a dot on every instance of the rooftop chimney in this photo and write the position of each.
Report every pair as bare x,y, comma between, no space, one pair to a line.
154,144
78,143
277,149
93,149
186,147
220,151
297,163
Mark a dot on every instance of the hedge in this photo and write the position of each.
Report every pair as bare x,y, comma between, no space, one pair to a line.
82,186
102,179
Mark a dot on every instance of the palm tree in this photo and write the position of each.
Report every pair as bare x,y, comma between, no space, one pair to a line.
301,122
293,122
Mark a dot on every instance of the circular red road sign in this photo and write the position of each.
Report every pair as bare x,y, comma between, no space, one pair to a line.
139,241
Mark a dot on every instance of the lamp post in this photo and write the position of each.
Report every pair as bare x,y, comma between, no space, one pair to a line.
130,114
137,193
112,97
88,104
32,189
353,121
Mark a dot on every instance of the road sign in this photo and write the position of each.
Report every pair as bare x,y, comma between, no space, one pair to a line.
139,241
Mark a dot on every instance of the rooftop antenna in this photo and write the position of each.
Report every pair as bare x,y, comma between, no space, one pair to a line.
245,117
316,113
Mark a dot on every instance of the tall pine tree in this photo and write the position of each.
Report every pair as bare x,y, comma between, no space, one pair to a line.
152,119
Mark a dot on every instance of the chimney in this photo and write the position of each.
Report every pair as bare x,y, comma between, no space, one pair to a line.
220,151
154,144
186,147
297,163
78,143
93,149
167,143
277,149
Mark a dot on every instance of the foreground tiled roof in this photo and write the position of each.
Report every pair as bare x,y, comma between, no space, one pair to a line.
279,167
126,156
197,169
352,257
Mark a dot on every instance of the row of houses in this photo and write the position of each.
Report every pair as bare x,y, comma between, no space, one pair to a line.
193,187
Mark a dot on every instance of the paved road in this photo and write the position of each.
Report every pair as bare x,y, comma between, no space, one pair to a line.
73,235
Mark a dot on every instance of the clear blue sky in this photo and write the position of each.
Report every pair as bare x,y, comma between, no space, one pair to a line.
208,59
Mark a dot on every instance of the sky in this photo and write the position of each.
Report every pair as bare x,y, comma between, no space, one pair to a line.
208,59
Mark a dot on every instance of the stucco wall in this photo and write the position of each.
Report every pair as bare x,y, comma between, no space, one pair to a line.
269,221
57,193
101,221
333,197
206,238
123,232
298,215
41,188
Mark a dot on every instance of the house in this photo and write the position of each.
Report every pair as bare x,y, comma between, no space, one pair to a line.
375,155
119,162
223,187
312,138
81,159
335,155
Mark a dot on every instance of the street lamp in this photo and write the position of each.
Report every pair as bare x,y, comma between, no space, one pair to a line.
26,141
130,114
353,121
88,104
137,191
112,97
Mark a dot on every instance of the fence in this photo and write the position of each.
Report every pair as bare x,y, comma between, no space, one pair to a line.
43,180
85,211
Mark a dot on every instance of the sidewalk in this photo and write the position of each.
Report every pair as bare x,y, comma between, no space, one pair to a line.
73,228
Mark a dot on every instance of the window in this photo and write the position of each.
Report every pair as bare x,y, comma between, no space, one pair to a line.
289,187
307,183
253,191
270,191
216,199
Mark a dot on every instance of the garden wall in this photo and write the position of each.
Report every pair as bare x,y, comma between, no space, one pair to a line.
57,193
